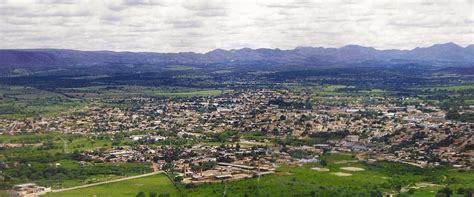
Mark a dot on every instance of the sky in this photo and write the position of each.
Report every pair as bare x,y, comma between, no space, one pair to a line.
200,26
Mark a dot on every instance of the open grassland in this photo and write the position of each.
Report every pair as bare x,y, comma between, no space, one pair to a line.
158,184
331,94
449,88
469,102
46,109
52,160
68,172
191,93
130,91
19,102
180,68
26,72
26,93
57,142
454,179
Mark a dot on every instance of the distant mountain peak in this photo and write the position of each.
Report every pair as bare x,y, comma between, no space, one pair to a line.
448,45
357,47
246,49
216,51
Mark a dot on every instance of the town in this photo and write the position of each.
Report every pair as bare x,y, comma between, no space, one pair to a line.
380,127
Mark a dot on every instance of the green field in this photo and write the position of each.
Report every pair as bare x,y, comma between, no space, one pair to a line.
19,102
469,102
449,88
159,184
106,92
180,68
37,154
191,93
381,177
375,178
62,142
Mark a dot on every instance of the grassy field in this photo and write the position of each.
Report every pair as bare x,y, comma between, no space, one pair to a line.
191,93
159,184
383,177
366,179
469,102
296,181
449,88
180,68
43,151
128,91
333,94
19,102
64,142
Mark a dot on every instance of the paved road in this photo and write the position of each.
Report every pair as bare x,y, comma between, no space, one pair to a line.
106,182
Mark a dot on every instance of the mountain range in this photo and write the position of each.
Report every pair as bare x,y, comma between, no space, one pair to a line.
448,54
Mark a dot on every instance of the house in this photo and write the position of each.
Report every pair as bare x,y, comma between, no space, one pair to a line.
352,138
28,190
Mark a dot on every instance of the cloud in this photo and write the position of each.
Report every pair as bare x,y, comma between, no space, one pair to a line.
203,25
185,23
210,13
119,5
57,1
111,18
58,13
142,2
207,8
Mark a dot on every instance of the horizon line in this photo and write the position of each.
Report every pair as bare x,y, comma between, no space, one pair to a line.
234,49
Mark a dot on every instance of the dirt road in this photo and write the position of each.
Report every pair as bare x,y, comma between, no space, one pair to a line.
106,182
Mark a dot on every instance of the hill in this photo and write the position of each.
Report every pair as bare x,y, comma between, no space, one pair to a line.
442,55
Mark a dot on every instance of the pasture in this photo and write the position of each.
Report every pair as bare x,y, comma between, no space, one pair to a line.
158,184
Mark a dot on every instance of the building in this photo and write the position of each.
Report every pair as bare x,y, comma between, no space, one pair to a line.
28,190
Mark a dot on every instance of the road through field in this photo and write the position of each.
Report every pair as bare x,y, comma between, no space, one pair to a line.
106,182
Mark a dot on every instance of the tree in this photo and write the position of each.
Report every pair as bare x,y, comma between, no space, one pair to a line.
141,194
398,186
376,193
446,191
167,166
115,143
195,168
178,179
468,193
153,194
323,163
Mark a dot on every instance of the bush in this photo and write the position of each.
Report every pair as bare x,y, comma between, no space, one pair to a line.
141,194
445,192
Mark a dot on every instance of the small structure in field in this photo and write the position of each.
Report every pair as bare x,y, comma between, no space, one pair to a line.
28,190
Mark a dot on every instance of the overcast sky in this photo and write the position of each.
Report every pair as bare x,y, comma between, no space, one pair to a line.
200,26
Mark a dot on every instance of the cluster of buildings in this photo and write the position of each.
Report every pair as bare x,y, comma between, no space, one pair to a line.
382,126
202,163
27,190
